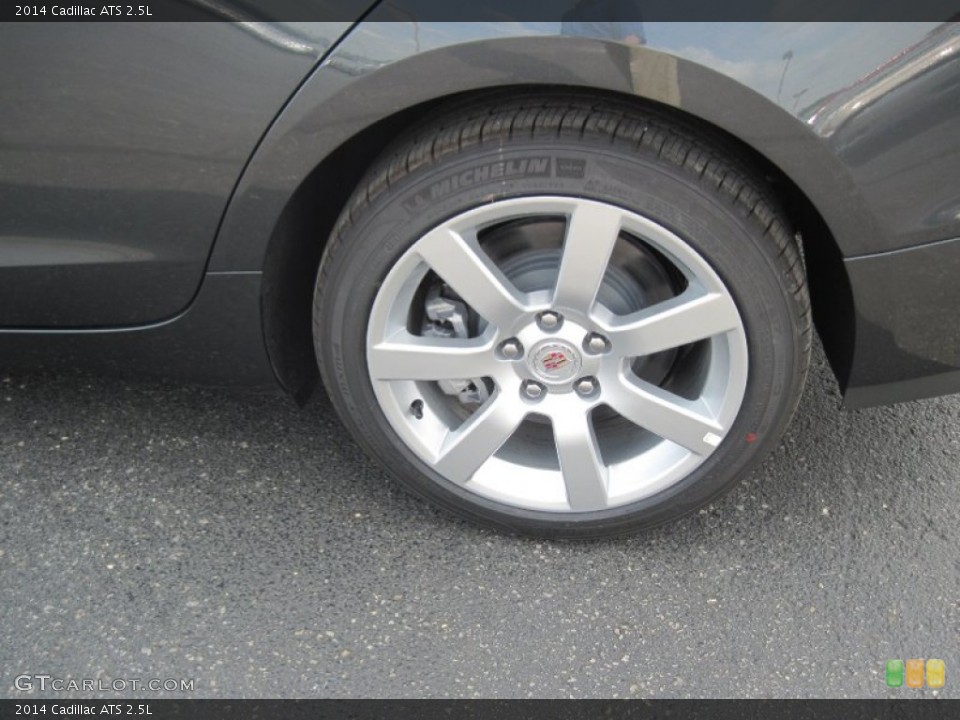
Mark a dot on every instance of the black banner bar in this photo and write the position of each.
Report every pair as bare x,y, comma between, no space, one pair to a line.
494,709
480,10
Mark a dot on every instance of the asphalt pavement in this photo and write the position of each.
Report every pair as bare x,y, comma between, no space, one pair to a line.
153,531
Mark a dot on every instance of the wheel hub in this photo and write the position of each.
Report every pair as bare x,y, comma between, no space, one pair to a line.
555,362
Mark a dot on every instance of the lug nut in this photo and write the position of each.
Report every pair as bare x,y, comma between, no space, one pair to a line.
511,349
549,320
532,390
596,344
586,386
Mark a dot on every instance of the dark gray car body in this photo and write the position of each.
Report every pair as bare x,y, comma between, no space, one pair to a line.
166,190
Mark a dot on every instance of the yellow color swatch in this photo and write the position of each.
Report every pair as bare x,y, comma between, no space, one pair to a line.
936,673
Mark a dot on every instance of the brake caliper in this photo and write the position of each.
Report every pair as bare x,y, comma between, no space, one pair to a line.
447,318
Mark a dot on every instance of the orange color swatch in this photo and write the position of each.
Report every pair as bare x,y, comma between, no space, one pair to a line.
915,673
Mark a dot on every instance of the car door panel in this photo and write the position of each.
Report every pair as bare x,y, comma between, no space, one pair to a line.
119,147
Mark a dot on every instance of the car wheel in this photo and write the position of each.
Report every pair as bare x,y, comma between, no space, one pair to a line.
563,317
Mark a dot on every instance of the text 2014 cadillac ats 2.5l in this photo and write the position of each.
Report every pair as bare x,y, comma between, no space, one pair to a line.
557,277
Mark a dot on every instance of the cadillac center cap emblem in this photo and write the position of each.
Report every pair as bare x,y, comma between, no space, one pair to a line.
555,362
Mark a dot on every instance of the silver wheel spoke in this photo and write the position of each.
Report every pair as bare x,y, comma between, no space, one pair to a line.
420,358
465,267
591,234
468,447
685,319
584,474
687,423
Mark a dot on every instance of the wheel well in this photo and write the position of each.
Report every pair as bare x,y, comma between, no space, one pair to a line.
298,240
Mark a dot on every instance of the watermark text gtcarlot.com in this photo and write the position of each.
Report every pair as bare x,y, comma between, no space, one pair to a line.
46,683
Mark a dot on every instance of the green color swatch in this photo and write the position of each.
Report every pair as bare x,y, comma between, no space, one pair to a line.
894,673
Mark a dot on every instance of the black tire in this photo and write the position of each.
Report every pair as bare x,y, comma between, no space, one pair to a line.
678,174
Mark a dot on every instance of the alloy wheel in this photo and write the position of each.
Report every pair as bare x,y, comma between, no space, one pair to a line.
557,354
